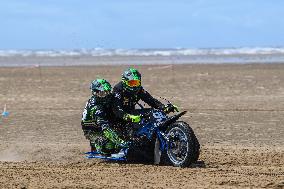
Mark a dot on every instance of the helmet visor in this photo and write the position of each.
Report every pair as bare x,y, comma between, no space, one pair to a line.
133,83
101,94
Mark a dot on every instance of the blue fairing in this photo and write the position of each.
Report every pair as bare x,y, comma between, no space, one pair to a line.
146,130
162,140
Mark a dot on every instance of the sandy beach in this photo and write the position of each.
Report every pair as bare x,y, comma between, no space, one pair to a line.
236,111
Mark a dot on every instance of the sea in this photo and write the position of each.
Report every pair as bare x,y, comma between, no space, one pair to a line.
100,56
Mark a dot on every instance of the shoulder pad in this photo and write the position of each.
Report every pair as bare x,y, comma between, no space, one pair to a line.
92,102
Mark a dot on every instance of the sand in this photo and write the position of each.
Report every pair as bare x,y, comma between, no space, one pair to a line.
236,111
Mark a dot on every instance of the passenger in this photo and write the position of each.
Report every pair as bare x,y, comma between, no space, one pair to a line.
97,119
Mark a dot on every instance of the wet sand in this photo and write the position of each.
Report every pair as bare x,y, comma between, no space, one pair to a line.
236,111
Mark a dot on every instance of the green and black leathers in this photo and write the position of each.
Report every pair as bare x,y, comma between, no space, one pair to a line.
96,124
125,100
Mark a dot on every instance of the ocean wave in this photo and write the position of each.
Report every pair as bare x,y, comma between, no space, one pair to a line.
143,52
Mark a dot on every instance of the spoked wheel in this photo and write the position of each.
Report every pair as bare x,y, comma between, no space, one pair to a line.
181,147
177,146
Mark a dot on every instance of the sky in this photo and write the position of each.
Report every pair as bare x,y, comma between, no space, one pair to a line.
77,24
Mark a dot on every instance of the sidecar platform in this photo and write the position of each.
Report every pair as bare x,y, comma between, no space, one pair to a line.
97,155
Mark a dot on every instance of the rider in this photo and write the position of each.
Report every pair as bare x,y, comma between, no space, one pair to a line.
128,92
96,119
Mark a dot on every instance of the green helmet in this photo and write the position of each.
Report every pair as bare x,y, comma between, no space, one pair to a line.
131,79
100,88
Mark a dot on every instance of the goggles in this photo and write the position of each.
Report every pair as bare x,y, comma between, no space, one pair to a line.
101,94
133,83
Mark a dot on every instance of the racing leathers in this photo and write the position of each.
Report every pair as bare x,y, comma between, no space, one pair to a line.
96,125
124,101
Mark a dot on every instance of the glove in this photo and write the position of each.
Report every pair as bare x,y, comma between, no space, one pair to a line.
171,108
132,118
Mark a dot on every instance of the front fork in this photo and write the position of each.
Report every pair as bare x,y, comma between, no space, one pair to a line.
163,140
161,145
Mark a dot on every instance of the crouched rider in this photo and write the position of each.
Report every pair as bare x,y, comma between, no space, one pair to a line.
128,92
96,119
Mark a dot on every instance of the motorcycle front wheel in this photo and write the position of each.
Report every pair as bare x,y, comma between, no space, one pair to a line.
182,146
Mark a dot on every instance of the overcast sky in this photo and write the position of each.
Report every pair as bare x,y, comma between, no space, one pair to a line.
74,24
